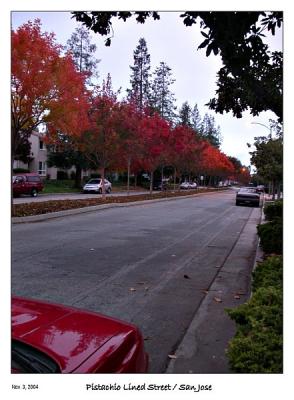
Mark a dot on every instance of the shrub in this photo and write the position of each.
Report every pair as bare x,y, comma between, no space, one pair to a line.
260,352
268,273
62,175
20,170
273,210
258,344
271,236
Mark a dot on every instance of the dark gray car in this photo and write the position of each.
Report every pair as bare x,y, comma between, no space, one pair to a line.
248,195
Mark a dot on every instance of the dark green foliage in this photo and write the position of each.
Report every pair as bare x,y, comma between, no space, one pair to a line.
20,170
260,352
268,273
258,344
162,99
251,76
62,175
185,115
273,210
140,76
268,158
271,236
83,52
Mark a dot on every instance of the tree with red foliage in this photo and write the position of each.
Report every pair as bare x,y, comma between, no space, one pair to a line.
100,141
154,134
128,136
45,86
184,150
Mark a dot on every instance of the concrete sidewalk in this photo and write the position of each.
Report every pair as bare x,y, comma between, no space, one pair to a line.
203,348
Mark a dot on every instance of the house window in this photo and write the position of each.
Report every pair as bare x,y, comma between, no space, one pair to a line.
42,168
41,145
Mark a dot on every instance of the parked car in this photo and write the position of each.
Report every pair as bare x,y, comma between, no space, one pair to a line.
193,185
160,185
188,185
52,338
95,186
260,188
27,183
248,195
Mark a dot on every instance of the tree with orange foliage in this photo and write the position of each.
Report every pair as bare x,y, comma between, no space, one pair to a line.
45,86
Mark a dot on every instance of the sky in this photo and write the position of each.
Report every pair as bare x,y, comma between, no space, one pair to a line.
168,40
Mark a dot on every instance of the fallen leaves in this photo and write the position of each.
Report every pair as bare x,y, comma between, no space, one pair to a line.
172,356
217,299
45,207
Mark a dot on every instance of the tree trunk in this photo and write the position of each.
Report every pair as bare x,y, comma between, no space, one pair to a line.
175,178
279,191
128,183
78,177
274,190
151,182
103,182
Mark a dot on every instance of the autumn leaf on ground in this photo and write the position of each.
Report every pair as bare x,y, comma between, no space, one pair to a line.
217,299
172,356
132,289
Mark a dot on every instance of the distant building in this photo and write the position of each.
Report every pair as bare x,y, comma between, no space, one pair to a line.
39,159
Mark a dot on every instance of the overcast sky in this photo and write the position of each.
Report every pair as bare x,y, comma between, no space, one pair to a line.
168,40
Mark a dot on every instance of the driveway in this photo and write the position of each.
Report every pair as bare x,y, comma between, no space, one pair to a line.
154,265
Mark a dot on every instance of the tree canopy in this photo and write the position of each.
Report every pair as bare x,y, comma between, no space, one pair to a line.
251,77
45,86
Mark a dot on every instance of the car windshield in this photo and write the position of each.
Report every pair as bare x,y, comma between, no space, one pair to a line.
27,359
94,182
248,190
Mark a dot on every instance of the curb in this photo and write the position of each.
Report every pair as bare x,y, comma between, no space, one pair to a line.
74,211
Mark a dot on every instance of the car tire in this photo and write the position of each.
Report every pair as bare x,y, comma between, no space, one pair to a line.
34,193
237,203
100,191
108,190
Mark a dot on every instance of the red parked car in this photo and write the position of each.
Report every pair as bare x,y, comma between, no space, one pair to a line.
29,183
51,338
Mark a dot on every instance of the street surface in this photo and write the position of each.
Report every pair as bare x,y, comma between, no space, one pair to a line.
151,264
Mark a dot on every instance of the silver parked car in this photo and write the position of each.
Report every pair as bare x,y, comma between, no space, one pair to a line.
95,186
188,185
248,195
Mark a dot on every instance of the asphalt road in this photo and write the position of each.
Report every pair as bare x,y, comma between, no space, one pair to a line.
150,264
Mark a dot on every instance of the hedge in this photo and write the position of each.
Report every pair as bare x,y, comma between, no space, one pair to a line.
258,344
273,210
271,236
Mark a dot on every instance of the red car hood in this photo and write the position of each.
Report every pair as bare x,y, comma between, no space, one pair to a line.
70,336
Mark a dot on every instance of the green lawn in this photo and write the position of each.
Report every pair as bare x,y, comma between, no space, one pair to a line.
65,186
